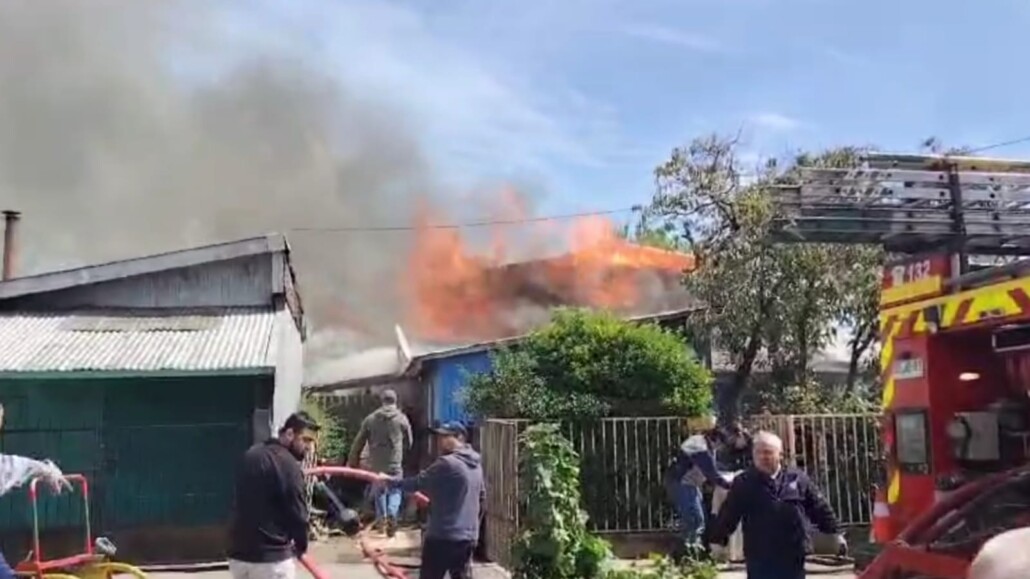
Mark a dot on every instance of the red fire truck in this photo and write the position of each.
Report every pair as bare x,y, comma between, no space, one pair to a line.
955,345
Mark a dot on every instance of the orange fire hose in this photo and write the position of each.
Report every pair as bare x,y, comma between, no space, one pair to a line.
376,556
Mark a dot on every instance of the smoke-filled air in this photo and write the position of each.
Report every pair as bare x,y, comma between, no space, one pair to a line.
134,127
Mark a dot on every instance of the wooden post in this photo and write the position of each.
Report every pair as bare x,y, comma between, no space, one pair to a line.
790,441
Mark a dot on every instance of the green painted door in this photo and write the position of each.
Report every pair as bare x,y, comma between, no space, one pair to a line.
170,446
55,419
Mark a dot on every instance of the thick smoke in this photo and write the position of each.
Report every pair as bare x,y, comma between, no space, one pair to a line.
133,126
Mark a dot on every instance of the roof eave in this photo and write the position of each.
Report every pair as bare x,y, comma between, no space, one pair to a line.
416,363
115,270
129,373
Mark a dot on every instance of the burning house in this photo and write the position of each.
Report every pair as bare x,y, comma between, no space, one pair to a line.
455,296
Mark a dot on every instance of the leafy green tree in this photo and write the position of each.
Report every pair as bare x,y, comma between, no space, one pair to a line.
763,298
587,364
644,233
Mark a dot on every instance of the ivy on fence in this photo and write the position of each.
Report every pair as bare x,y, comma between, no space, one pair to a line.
555,542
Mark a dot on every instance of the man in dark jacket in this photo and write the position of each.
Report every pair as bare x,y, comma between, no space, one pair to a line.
455,487
269,525
387,432
774,502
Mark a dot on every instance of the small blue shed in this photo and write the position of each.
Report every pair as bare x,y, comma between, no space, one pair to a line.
445,373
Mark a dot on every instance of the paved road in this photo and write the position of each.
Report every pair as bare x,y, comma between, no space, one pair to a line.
366,571
814,572
342,559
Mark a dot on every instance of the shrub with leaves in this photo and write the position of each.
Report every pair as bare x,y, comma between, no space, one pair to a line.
554,542
516,390
333,439
586,364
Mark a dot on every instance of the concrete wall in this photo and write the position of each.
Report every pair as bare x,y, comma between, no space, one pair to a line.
238,282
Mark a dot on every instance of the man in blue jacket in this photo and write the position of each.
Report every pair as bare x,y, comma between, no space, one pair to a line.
693,464
774,502
455,487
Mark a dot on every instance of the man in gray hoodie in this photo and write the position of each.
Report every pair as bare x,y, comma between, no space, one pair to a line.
388,435
455,487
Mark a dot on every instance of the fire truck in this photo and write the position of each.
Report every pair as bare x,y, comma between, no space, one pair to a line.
955,344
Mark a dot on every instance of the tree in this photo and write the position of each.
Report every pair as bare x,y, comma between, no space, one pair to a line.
644,233
762,298
587,364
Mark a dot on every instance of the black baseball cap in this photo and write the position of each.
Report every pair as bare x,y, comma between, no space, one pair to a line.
452,428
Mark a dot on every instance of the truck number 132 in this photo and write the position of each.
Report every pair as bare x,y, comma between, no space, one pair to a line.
908,273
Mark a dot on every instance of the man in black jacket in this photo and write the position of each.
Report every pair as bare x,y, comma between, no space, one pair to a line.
269,525
774,502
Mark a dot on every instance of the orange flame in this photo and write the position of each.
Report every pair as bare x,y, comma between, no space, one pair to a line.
454,294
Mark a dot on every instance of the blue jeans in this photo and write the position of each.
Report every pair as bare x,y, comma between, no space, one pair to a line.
686,499
388,504
5,570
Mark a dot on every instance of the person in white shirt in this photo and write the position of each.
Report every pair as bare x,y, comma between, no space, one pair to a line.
16,471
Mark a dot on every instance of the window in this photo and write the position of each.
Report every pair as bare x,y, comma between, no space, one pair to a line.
913,445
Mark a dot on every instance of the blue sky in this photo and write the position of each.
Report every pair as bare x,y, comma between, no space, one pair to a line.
581,99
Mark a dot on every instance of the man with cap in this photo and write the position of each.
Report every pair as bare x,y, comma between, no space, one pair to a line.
455,488
387,432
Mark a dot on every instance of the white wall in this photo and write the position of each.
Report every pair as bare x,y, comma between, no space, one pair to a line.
289,371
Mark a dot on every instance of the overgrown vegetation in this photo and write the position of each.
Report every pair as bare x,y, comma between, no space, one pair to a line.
333,438
555,542
589,364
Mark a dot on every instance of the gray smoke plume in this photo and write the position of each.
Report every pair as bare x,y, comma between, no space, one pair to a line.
135,126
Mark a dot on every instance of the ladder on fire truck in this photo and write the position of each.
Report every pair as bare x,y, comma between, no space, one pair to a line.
911,204
917,205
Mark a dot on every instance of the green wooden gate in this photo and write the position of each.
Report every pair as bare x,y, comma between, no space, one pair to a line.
157,451
169,450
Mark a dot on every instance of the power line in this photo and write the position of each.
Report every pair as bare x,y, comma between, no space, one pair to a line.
470,224
1018,141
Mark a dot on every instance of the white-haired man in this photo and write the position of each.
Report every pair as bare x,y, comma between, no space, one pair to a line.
1003,557
773,502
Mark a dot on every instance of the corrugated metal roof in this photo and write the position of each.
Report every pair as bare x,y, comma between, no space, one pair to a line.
156,340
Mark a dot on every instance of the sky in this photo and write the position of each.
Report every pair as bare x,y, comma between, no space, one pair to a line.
579,100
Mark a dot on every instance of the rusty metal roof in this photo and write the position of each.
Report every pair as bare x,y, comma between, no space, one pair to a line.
138,340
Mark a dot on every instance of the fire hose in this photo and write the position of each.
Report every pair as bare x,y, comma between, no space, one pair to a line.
914,549
376,556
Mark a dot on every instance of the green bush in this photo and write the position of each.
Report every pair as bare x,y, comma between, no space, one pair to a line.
587,364
333,438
